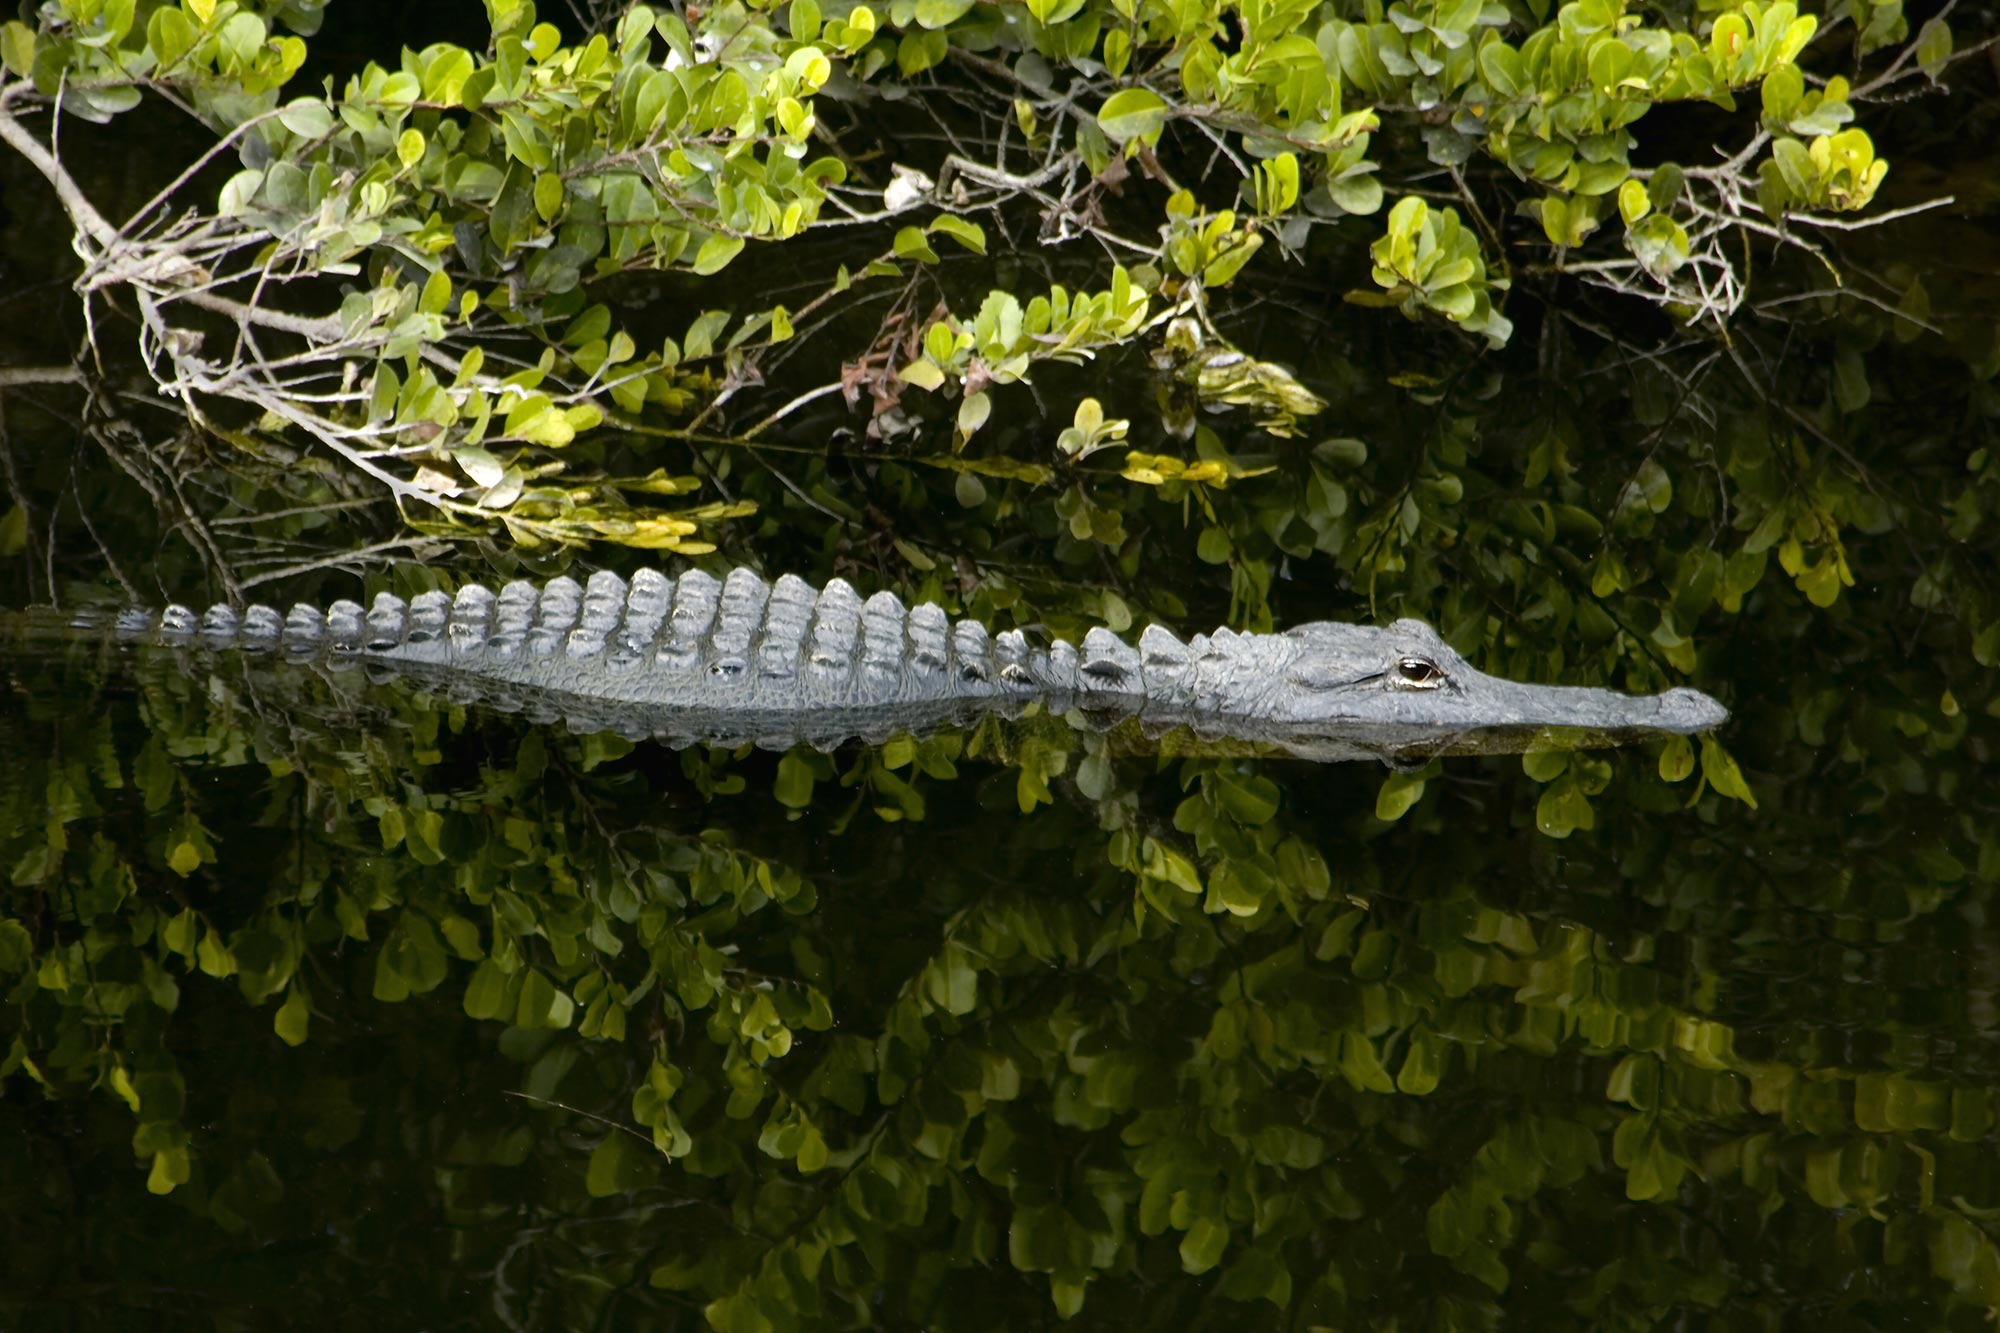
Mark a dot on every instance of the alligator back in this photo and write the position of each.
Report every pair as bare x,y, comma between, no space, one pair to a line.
681,660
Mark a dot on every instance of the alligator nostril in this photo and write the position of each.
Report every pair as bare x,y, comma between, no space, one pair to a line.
1690,710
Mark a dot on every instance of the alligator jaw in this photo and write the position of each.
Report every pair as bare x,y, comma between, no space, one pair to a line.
1490,701
1479,714
1472,701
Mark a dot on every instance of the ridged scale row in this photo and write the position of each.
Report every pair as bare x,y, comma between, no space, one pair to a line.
736,628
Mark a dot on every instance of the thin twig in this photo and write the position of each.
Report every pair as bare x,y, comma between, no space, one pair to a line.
338,559
1873,220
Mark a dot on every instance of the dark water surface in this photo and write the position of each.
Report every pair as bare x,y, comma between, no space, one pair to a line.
327,1008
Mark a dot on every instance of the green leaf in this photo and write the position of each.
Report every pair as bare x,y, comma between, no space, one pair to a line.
169,36
292,1019
617,1165
536,420
241,37
958,988
1677,759
716,252
538,996
1360,1062
922,374
1202,1247
482,467
912,244
1934,47
702,333
184,857
918,51
548,195
1564,808
513,208
972,414
1556,220
1361,195
1721,773
1500,65
1986,645
213,955
1659,242
794,787
1226,265
1132,113
170,1169
391,986
17,48
1633,202
1545,766
486,993
1398,793
1783,89
968,234
307,117
1422,1064
181,931
940,13
940,342
436,294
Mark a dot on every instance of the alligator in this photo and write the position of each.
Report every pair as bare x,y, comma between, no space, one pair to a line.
696,659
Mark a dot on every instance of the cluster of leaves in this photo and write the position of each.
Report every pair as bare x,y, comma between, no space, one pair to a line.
1428,260
480,197
1001,342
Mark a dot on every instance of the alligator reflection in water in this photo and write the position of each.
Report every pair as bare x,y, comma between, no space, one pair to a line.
742,661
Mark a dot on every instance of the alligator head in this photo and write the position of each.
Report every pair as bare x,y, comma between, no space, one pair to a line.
1405,676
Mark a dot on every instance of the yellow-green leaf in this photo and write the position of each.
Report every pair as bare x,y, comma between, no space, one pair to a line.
548,195
1722,774
1633,202
292,1019
922,374
912,244
1399,792
170,1169
184,858
968,234
17,48
1677,759
1132,113
972,413
716,252
436,294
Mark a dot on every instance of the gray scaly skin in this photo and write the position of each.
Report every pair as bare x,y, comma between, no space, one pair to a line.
696,660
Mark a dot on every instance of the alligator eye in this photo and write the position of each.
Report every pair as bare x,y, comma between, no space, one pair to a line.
1418,673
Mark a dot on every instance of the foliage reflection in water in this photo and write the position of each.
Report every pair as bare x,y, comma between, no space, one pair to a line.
815,1038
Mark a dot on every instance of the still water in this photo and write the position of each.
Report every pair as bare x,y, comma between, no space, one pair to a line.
330,1003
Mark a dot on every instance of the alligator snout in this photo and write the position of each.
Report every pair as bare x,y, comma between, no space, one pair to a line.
1687,711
